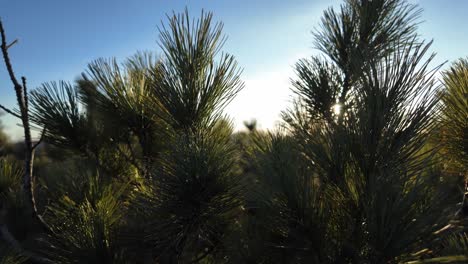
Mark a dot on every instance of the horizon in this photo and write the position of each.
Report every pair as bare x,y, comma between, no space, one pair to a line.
57,40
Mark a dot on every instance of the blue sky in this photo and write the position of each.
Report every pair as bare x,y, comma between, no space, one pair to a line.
57,38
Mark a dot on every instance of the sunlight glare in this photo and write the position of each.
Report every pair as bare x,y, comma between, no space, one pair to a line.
337,109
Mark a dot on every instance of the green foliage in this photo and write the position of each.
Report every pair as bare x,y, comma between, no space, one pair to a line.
365,29
295,208
374,150
192,198
10,183
318,84
456,244
141,166
193,191
84,229
10,178
189,83
121,97
57,108
454,250
455,112
8,256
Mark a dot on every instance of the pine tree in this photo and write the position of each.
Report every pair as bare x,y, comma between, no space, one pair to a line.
454,124
162,117
189,203
147,168
365,185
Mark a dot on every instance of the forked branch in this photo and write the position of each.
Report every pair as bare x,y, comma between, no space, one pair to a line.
22,99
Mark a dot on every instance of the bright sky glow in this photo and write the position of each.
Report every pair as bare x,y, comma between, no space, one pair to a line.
58,38
337,109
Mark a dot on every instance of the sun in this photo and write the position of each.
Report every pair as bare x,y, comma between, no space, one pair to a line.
336,109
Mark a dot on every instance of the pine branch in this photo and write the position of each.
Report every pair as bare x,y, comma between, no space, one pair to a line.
9,111
129,158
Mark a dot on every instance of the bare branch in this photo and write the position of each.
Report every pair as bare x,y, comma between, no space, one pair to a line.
40,139
22,98
25,94
6,58
12,43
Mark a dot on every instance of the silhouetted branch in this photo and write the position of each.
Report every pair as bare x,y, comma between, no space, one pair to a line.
41,138
9,111
6,58
12,43
22,98
25,93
